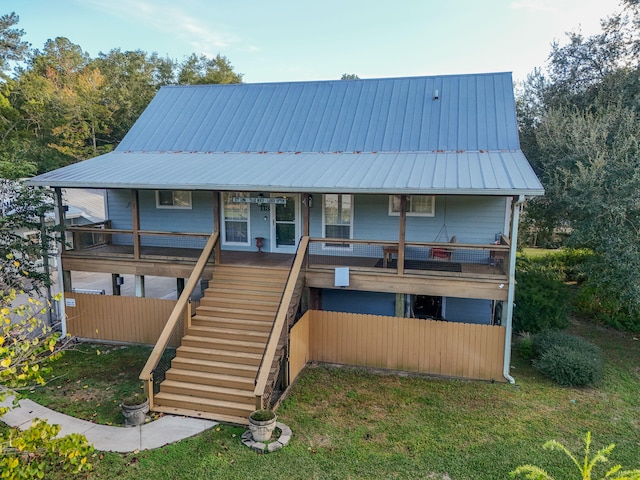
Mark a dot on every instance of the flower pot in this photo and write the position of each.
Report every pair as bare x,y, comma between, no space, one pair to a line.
261,429
135,414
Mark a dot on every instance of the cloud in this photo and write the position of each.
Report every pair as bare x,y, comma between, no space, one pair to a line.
538,6
170,20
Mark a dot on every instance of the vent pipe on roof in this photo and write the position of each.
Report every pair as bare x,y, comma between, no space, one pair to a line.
436,95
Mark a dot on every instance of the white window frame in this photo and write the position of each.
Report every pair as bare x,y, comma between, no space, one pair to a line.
177,207
432,213
223,223
324,225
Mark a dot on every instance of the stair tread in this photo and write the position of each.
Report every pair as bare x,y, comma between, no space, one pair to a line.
186,412
198,316
227,341
215,363
206,401
247,311
197,329
211,376
201,387
212,351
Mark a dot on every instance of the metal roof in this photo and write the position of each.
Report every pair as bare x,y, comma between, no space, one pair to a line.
451,134
477,173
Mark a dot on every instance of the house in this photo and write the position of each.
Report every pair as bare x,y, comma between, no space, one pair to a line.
366,222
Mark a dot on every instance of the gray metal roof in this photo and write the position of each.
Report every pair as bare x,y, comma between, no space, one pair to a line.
453,134
477,173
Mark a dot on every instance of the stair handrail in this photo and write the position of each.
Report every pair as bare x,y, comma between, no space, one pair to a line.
178,310
276,329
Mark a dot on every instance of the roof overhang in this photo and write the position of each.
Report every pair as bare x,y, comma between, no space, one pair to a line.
430,173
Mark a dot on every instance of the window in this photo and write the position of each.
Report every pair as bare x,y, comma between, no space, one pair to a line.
173,199
417,205
337,218
236,219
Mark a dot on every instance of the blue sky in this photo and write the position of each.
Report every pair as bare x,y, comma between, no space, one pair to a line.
286,40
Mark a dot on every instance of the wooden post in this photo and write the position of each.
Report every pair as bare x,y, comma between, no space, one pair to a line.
67,284
305,215
135,212
403,227
216,226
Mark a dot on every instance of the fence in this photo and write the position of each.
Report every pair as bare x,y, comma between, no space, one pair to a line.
119,319
408,344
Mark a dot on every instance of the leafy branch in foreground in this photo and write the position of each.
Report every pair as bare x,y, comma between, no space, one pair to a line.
531,472
27,346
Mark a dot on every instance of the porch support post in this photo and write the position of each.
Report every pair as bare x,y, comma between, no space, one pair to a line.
216,226
305,215
511,292
67,284
399,304
115,284
64,276
179,286
135,212
403,229
139,279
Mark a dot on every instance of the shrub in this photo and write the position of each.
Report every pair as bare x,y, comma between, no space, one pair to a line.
543,341
541,303
524,346
568,366
604,305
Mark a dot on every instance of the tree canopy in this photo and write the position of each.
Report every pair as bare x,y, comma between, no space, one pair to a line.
60,105
580,127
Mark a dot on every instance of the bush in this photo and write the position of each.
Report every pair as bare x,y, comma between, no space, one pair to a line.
541,303
604,305
524,346
544,341
568,366
567,359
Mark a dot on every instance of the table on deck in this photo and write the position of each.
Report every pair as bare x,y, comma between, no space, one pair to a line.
387,254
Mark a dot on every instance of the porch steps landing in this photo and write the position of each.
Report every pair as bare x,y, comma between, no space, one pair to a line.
212,375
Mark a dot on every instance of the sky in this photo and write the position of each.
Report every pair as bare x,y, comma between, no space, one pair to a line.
298,40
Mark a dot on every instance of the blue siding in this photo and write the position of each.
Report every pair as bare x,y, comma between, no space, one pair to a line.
472,219
468,310
352,301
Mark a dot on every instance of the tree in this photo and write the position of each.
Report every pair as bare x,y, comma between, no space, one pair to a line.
23,210
198,70
12,47
27,344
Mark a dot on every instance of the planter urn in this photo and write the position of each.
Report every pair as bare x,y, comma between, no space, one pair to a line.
262,423
135,415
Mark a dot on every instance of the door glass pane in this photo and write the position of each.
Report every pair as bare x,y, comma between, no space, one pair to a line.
285,234
287,212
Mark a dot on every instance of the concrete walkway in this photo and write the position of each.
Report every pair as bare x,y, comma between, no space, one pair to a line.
160,432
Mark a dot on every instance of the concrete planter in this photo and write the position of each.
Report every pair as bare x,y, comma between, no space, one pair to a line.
135,414
262,423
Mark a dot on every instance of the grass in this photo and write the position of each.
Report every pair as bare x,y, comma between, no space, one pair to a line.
535,252
90,382
357,424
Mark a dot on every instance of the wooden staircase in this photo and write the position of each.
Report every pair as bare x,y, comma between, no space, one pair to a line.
212,375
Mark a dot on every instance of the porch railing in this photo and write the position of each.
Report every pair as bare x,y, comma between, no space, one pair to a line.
103,241
183,302
285,317
430,258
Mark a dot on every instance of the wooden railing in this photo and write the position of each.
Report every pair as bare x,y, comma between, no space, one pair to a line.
183,302
285,317
435,258
125,242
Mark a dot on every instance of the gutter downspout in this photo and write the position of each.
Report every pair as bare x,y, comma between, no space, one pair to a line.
59,218
511,291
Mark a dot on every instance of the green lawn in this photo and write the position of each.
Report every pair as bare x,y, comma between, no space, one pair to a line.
351,423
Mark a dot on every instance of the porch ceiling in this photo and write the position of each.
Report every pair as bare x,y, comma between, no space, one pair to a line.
452,173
